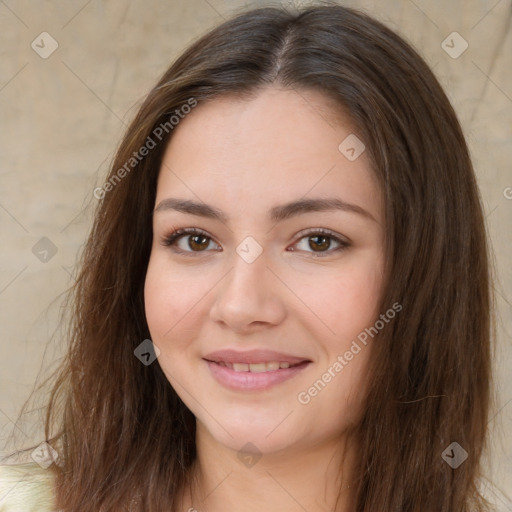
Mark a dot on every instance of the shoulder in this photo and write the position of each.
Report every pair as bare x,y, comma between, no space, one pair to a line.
26,488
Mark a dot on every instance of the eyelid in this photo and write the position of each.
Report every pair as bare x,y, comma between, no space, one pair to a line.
324,231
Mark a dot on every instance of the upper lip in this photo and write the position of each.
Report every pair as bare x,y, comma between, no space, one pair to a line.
253,357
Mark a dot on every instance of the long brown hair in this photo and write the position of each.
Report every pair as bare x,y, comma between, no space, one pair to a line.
121,430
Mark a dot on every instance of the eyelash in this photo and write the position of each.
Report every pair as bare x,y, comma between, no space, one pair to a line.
171,239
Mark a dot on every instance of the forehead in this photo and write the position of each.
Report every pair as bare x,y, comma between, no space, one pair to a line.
276,146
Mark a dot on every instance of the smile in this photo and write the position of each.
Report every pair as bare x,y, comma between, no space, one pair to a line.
255,367
254,376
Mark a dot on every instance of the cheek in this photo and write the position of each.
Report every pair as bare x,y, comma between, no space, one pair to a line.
176,304
359,296
345,301
159,303
170,297
168,309
165,314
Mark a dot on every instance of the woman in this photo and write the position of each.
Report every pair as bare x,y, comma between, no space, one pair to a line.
284,302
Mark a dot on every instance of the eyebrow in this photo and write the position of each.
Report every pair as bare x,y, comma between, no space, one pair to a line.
276,214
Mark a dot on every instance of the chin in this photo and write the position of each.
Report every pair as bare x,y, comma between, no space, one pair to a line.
249,436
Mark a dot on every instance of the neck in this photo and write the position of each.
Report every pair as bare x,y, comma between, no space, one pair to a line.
315,478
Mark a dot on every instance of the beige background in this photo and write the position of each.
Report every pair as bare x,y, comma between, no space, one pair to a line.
61,118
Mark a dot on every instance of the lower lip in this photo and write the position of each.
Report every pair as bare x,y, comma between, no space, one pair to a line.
252,381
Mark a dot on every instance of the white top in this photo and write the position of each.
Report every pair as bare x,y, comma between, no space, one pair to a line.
26,488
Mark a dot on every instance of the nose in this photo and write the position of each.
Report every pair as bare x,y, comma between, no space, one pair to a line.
250,297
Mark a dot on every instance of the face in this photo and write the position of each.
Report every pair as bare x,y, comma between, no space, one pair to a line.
257,307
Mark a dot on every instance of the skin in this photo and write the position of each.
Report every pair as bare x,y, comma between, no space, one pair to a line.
245,157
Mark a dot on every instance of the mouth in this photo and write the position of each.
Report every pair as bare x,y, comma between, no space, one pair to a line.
263,367
253,370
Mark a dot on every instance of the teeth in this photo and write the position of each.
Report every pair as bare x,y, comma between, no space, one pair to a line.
256,367
240,367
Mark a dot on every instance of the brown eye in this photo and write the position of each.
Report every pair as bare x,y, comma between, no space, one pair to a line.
198,242
320,243
194,241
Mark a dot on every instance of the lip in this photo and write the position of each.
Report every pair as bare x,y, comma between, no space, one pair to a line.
252,381
253,356
249,381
